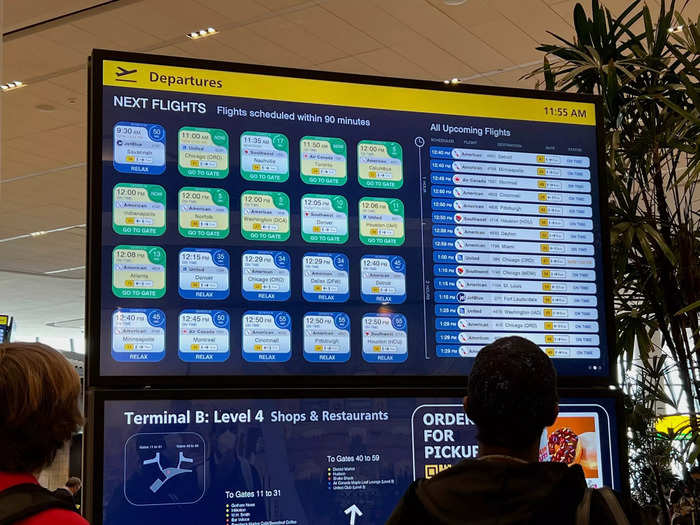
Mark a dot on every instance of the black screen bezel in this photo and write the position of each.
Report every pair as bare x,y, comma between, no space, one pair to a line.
94,227
94,457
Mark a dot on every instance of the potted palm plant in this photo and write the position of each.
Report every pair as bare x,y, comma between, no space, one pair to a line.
646,68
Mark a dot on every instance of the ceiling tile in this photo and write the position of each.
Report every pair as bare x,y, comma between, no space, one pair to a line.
278,5
370,19
260,49
71,37
691,11
29,255
212,48
424,52
443,31
113,32
13,165
348,65
63,98
171,50
565,8
329,28
508,40
33,208
75,82
469,13
392,64
65,101
18,14
18,121
238,12
45,57
29,152
165,21
535,18
27,99
65,145
297,39
512,79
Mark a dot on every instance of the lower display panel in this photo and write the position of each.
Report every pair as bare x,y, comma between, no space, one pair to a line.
304,460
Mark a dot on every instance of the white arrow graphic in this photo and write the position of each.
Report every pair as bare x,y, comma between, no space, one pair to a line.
354,512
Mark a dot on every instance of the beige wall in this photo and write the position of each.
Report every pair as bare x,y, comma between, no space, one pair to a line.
57,474
2,79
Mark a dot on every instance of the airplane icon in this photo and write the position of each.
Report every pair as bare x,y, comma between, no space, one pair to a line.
122,72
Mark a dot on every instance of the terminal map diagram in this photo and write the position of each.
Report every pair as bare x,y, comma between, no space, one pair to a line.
169,472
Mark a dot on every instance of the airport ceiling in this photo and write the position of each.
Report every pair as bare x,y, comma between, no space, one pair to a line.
46,44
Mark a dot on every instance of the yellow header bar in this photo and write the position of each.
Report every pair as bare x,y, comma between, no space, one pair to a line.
292,89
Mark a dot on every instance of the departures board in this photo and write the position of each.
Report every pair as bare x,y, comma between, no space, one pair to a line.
165,459
249,221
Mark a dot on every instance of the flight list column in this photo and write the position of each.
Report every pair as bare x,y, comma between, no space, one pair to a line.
513,252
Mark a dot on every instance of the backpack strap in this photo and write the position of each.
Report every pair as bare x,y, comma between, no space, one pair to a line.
27,499
583,511
614,506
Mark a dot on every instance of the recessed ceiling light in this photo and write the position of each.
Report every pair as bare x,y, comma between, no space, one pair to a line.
45,107
454,2
675,29
15,84
454,81
202,33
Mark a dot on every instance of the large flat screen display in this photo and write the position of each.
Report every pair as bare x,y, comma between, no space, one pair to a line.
251,221
307,461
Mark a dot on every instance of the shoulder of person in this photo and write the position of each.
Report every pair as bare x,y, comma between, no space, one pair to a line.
410,509
55,517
